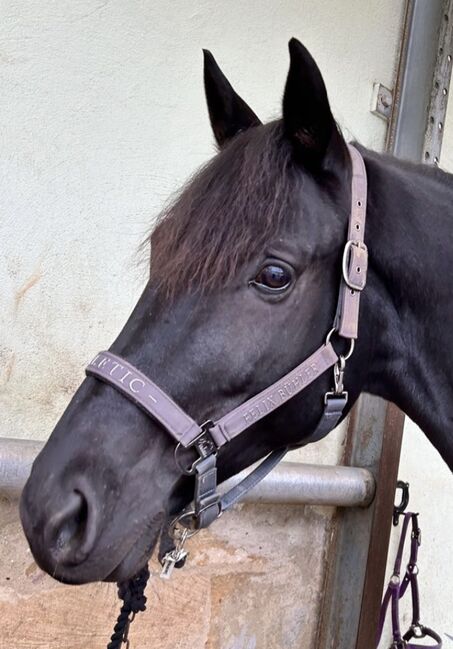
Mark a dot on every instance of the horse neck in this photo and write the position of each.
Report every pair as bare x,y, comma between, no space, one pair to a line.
409,307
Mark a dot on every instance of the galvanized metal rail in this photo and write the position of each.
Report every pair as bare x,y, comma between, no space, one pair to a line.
289,483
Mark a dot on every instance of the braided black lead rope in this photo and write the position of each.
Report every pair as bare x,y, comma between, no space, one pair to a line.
132,593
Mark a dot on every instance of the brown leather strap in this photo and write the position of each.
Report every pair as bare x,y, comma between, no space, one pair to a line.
355,255
137,387
242,417
149,397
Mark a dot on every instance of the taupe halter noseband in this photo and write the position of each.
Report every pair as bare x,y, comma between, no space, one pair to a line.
210,436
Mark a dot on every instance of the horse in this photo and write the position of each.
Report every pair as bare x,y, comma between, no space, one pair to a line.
243,283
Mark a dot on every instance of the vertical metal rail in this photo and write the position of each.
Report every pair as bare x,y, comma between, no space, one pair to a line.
423,81
437,109
357,554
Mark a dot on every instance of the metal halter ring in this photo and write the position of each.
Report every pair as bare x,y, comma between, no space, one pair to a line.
351,344
184,470
178,531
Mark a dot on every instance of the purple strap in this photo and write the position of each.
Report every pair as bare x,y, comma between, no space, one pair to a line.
396,590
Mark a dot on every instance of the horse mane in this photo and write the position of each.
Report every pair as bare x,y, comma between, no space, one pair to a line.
225,214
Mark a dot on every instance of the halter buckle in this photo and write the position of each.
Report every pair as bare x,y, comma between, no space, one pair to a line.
418,630
417,535
338,375
355,264
204,445
336,395
338,380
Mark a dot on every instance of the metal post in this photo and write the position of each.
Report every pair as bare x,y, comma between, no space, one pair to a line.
16,458
294,483
412,95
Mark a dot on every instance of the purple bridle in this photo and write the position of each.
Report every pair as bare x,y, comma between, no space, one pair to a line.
396,590
210,436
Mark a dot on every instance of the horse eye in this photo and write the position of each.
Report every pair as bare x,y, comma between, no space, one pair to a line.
273,278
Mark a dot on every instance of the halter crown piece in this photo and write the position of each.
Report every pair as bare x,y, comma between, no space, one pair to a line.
207,438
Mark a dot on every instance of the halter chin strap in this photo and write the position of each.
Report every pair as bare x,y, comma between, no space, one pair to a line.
210,436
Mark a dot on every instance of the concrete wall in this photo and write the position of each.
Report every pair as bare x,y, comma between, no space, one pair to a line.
102,118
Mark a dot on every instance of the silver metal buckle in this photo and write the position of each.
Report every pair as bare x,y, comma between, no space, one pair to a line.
418,630
333,395
338,370
338,375
345,264
417,536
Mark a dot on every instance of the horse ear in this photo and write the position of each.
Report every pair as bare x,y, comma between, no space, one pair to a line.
229,114
307,118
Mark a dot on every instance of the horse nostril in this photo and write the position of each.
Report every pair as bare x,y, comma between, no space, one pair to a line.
73,525
70,533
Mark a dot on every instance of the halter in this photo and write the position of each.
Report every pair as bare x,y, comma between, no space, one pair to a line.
396,590
209,437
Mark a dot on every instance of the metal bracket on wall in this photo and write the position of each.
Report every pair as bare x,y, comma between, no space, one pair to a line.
441,84
382,101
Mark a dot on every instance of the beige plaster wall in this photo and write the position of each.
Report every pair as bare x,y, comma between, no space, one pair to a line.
103,117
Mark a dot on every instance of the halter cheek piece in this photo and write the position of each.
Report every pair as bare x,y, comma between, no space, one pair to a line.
210,436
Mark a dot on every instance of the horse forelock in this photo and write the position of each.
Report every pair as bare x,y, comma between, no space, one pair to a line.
226,214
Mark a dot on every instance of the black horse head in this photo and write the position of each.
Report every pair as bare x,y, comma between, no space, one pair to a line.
244,277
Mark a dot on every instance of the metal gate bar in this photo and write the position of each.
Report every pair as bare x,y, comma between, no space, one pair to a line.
289,483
